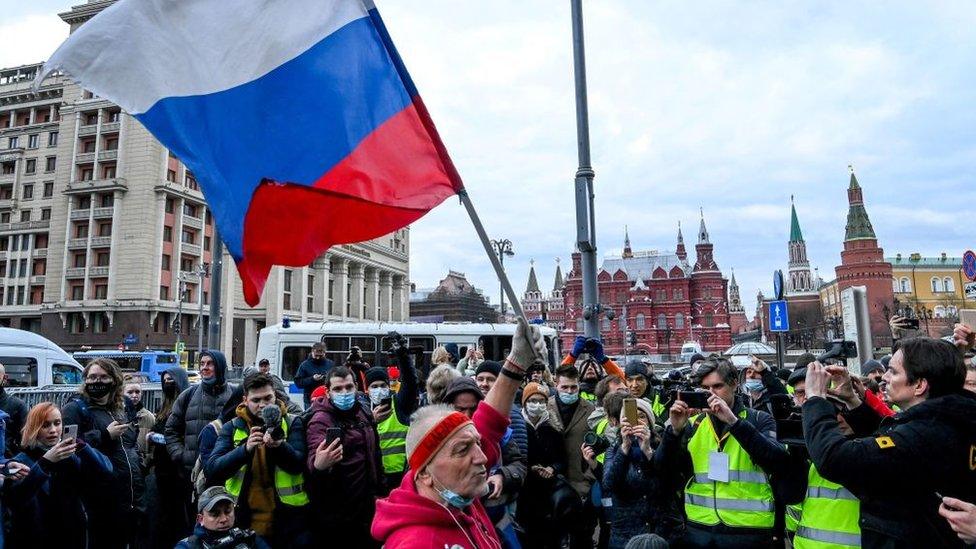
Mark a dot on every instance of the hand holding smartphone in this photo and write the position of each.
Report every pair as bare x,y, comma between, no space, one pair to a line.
69,431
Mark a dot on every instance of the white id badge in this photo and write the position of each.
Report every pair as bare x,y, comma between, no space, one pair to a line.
718,466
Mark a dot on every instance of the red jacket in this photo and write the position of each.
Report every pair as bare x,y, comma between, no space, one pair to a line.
408,520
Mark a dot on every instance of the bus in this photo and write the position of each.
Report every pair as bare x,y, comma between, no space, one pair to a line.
286,348
150,363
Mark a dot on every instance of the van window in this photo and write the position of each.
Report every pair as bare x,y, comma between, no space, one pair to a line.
66,374
291,359
421,363
165,359
337,348
21,371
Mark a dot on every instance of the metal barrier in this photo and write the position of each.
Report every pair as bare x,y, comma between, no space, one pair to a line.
152,394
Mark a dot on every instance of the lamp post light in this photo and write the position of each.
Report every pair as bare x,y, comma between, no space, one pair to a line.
502,248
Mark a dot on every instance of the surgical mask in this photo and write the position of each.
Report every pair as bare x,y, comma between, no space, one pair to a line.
343,401
568,398
535,409
377,394
97,389
451,497
753,385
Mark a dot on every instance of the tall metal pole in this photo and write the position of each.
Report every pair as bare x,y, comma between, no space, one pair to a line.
585,217
202,275
213,335
501,287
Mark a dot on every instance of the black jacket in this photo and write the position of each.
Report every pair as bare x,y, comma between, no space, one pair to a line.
17,410
897,470
772,385
305,376
193,410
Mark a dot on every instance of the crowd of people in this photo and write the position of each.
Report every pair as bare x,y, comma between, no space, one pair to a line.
474,453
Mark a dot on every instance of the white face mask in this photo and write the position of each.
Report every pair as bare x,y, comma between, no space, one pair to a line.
377,394
535,409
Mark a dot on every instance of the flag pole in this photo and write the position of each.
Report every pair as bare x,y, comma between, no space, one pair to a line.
480,229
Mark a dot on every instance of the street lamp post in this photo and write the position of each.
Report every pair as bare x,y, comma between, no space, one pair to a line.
200,274
667,341
502,248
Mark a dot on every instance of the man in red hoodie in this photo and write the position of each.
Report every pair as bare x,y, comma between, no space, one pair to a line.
437,504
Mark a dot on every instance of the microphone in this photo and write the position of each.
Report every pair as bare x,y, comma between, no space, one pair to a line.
272,420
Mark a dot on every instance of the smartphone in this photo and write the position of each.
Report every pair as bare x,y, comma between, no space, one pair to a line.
910,323
332,433
968,317
388,401
694,399
69,431
630,411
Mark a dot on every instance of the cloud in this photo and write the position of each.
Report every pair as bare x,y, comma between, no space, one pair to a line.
30,38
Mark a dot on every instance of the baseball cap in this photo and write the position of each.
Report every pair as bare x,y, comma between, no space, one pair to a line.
212,496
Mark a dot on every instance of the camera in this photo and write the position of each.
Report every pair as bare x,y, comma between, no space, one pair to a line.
838,349
789,421
599,443
236,537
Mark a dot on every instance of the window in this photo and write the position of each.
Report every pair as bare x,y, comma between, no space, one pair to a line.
707,292
286,288
108,172
164,293
88,146
114,116
662,295
81,230
50,163
662,321
107,200
90,118
32,141
105,229
678,294
165,264
331,309
906,285
45,214
947,285
77,293
167,234
310,293
936,284
939,311
87,174
99,322
48,189
102,259
112,144
39,268
25,215
709,320
84,202
52,139
186,264
79,260
25,242
206,243
605,325
28,192
20,295
161,324
66,374
101,291
5,217
8,168
12,142
171,177
189,209
40,240
21,371
640,321
169,205
30,166
188,236
679,320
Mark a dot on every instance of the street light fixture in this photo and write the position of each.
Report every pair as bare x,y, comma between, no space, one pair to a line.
502,248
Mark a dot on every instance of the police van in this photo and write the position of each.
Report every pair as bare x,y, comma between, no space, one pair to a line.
286,348
33,361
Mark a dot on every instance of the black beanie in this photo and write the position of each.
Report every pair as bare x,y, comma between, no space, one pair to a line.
695,358
489,366
635,368
377,373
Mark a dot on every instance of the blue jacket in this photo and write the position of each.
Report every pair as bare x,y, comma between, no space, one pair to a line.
304,376
46,506
201,534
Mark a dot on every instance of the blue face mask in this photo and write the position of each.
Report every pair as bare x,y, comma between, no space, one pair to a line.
753,385
568,398
451,497
343,401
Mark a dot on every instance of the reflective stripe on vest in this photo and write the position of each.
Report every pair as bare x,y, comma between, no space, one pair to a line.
588,396
393,442
830,516
793,514
601,427
289,486
657,406
745,501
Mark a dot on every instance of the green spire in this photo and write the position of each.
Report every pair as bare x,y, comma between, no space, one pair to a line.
858,222
795,234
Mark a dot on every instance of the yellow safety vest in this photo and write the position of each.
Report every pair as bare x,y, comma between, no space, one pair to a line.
393,443
601,427
588,396
830,515
746,501
289,486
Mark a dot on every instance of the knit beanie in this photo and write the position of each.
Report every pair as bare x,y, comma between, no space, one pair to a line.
533,388
635,368
489,366
377,373
461,385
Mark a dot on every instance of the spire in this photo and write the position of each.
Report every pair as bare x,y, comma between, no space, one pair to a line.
735,301
558,282
627,251
533,283
858,223
795,234
732,282
680,249
702,231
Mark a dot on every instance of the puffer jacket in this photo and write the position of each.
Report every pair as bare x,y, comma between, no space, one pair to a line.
192,411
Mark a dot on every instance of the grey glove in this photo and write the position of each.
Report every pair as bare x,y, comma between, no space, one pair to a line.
527,344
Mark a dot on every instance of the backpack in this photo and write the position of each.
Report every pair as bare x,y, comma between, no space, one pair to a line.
197,478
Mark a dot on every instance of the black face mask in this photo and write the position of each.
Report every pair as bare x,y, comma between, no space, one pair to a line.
169,388
98,389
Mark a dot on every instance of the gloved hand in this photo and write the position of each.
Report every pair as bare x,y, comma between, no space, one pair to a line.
527,344
578,346
598,354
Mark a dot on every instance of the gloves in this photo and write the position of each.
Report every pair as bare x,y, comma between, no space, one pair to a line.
527,344
578,346
598,354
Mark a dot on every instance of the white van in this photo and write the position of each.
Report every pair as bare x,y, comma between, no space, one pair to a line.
689,349
34,361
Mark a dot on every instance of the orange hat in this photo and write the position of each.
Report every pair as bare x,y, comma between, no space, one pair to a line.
533,388
320,391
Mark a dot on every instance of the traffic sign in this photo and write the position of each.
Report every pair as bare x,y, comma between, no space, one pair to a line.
180,346
130,339
969,265
778,284
779,316
970,289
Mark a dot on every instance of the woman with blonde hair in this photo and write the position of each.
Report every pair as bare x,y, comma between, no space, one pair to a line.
103,422
440,356
46,506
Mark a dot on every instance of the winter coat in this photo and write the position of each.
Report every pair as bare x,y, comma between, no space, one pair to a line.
772,385
192,411
201,535
519,433
630,479
358,477
408,520
896,470
165,467
304,377
577,473
545,450
46,507
17,410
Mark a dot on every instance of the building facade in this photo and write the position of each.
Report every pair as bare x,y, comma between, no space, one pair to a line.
930,289
548,307
453,300
103,234
660,297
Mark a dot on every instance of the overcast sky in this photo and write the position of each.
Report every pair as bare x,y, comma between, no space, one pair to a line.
729,106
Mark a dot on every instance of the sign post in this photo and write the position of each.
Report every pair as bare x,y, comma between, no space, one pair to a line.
779,317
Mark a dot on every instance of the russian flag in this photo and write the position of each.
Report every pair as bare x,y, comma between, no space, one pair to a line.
298,117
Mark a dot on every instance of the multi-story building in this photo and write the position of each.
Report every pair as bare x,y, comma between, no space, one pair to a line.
663,299
931,289
103,232
453,300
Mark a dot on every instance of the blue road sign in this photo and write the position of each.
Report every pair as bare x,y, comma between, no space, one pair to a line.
130,339
969,265
779,317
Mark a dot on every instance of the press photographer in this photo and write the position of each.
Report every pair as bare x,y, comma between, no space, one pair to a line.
215,525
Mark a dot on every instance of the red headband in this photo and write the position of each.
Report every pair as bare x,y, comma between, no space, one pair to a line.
435,438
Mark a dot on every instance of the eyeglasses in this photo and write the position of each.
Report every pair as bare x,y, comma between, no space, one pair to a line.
104,379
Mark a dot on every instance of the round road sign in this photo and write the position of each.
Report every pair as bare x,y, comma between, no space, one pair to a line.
969,264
